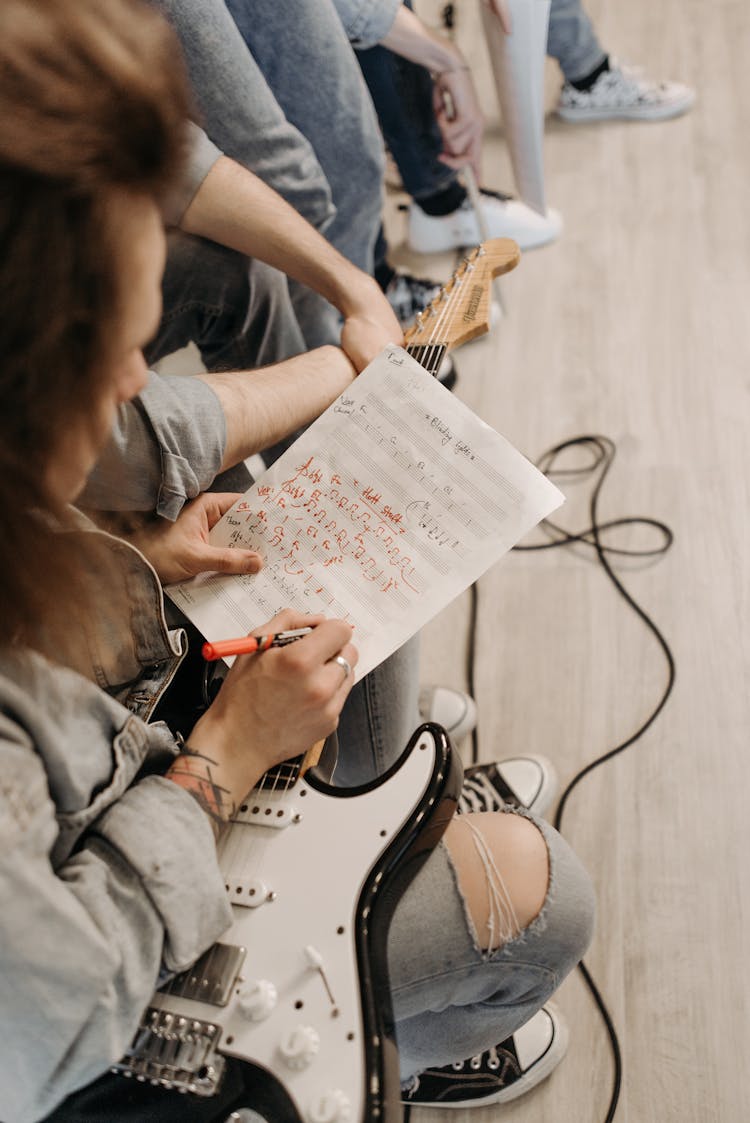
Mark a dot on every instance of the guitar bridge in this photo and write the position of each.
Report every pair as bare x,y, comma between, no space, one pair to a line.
175,1052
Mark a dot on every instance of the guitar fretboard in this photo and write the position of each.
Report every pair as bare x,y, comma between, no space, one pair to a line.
428,355
282,777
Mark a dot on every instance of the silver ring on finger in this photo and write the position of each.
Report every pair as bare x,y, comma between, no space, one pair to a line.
345,665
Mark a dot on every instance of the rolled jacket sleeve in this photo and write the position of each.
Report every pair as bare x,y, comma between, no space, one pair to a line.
367,22
166,448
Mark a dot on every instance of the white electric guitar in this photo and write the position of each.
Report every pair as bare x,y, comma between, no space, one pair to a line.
298,987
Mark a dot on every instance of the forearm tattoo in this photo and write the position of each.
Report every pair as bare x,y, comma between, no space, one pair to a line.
192,770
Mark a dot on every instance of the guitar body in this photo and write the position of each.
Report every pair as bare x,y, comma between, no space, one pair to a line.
298,987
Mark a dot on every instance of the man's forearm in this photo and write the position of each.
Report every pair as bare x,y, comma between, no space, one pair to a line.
261,407
413,40
235,208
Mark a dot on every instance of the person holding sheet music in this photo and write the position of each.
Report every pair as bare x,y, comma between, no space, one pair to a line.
108,871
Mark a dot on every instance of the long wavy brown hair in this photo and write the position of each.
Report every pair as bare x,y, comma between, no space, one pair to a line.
93,99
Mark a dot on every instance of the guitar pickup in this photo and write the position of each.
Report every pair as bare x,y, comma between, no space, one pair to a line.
267,809
211,978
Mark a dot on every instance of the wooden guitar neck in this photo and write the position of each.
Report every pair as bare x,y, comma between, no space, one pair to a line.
460,311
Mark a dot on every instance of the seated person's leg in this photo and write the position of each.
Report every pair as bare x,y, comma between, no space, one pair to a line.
237,311
461,989
311,68
572,41
379,717
402,94
441,217
243,118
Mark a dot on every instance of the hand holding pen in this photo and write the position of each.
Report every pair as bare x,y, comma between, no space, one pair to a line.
272,707
247,645
278,702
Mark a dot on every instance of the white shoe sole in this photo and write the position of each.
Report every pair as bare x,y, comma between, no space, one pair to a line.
634,113
543,1068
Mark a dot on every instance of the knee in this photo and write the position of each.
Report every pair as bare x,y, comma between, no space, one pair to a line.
503,872
569,912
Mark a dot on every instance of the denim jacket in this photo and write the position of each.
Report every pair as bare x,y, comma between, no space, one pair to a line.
107,869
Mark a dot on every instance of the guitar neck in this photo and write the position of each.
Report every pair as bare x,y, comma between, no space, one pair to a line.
428,355
460,311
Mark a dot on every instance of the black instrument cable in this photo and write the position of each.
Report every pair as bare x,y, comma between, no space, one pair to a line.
601,453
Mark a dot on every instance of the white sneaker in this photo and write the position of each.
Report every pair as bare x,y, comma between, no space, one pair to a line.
454,710
500,1074
528,781
504,218
622,92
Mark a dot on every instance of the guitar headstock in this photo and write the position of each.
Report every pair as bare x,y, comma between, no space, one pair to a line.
460,311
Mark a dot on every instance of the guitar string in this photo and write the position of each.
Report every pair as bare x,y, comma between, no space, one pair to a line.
442,320
448,312
431,346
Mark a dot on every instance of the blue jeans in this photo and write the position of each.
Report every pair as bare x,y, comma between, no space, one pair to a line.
285,98
402,94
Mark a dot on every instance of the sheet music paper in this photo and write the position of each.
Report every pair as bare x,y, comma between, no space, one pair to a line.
392,503
518,66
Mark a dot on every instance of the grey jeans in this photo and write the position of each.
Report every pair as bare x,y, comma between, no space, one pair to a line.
282,94
237,311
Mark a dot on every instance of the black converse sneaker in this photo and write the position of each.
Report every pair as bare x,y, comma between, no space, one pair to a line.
501,1073
526,781
521,781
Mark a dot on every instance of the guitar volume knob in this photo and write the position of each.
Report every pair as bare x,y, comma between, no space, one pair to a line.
300,1046
257,1000
332,1107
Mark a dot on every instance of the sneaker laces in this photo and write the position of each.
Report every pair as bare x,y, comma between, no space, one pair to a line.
493,1061
475,1063
478,794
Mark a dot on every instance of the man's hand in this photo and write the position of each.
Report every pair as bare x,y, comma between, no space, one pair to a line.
181,549
369,323
460,119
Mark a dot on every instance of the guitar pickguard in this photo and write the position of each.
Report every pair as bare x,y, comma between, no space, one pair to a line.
298,985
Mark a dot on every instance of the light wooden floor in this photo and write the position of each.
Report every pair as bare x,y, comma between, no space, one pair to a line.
635,325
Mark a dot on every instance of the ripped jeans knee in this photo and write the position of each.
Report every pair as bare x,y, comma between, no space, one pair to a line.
452,998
